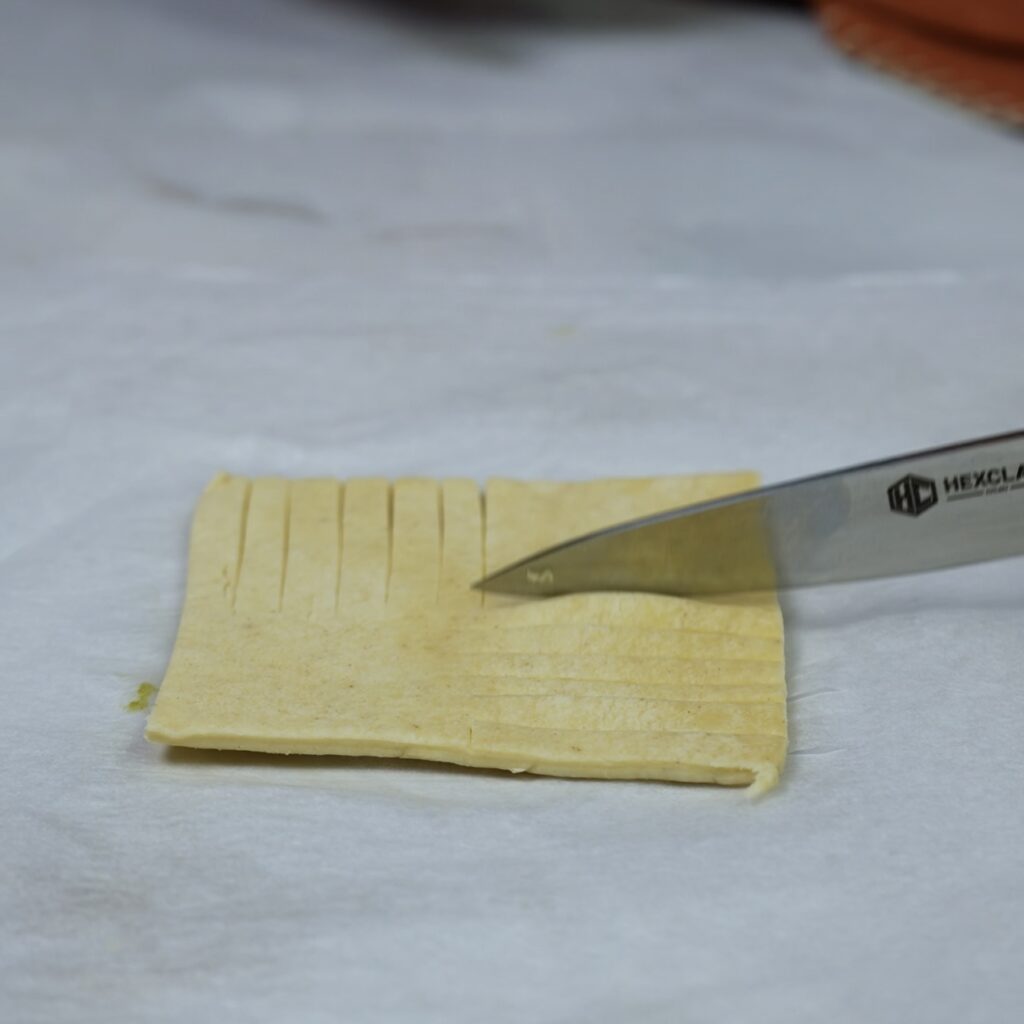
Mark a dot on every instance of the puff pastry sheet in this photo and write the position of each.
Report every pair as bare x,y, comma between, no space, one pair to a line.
336,617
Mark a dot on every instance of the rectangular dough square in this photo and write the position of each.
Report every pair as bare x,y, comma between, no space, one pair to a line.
336,617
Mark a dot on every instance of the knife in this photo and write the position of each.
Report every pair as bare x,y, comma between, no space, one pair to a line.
953,505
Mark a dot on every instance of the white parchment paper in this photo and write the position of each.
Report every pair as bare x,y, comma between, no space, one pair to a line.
278,236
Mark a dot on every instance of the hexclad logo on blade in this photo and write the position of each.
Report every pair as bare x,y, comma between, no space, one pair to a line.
913,495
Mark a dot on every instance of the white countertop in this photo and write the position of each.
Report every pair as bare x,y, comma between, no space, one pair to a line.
338,238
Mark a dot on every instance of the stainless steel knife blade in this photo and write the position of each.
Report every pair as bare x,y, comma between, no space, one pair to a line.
946,506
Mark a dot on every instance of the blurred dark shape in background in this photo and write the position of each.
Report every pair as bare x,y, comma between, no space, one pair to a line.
969,51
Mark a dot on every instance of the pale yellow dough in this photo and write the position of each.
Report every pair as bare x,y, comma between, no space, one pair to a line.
336,617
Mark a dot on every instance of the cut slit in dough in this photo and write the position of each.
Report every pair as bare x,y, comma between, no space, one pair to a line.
336,617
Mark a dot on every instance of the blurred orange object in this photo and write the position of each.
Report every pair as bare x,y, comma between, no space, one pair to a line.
971,51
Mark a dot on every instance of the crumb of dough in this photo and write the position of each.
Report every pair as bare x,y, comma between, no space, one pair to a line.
143,696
